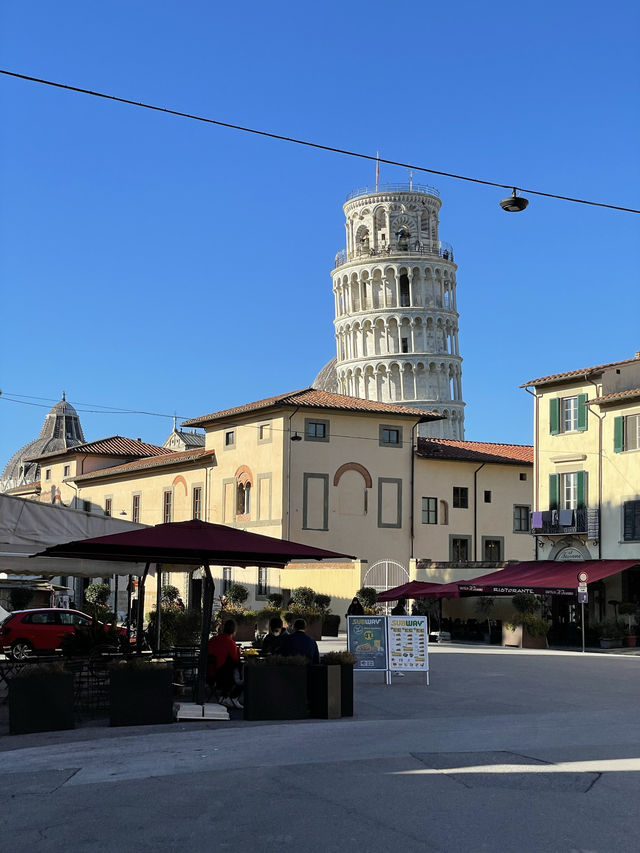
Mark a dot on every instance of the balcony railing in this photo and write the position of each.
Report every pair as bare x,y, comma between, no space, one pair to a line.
550,523
408,187
437,250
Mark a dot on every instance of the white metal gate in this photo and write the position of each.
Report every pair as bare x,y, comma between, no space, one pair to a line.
386,574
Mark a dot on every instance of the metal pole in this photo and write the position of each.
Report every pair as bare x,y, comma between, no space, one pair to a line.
582,620
207,607
158,605
140,617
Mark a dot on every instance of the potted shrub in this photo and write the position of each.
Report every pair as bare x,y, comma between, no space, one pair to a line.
527,629
330,621
345,660
275,688
611,633
629,609
41,700
141,692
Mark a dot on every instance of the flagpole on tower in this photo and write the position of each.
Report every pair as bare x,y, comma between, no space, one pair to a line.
377,169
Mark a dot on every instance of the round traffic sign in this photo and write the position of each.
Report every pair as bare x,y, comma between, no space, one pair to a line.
583,577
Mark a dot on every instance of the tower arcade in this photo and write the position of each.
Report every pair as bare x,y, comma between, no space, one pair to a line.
396,318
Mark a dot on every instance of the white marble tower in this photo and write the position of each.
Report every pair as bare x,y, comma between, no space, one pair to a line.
396,320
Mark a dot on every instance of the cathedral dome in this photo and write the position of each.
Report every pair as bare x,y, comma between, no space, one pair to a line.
327,379
61,429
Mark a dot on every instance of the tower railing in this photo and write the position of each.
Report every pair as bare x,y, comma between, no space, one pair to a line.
408,187
437,250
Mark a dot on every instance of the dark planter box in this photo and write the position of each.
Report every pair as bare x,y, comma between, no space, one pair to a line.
141,697
330,625
275,692
346,689
41,703
325,691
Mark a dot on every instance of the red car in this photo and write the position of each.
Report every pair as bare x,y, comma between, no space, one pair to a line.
26,632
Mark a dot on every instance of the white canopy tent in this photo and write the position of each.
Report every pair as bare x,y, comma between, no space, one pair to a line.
28,527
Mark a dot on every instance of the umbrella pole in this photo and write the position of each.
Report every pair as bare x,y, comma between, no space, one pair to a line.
140,617
207,607
158,605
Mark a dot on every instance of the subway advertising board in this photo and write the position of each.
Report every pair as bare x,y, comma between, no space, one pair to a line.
408,644
367,640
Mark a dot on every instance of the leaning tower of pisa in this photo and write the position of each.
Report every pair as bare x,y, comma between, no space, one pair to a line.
396,320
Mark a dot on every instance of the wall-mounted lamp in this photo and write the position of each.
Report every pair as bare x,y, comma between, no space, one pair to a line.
123,512
514,203
296,437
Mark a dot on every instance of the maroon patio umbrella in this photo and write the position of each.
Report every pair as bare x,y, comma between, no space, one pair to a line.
185,545
420,589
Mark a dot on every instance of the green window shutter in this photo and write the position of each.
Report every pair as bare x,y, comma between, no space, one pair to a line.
582,488
582,412
553,491
618,434
554,416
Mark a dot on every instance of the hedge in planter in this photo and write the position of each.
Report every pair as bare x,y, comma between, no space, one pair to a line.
41,700
141,693
276,689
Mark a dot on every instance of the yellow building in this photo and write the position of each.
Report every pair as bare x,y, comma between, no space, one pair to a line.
325,469
587,472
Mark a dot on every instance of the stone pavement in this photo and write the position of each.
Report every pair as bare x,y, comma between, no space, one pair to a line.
507,749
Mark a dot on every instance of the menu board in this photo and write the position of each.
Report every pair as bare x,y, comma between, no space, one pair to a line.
408,643
367,640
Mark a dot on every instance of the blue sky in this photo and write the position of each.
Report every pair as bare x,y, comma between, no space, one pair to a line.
152,263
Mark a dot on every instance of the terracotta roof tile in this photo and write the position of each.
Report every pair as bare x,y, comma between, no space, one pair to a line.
559,377
197,455
475,451
617,396
312,398
114,445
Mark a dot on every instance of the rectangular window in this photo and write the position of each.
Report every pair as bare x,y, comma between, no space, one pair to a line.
196,511
47,474
167,507
491,549
523,476
626,433
229,438
135,509
316,430
86,505
460,549
568,414
315,502
262,588
264,433
460,497
569,491
487,496
521,519
107,506
631,521
429,510
67,470
390,436
226,579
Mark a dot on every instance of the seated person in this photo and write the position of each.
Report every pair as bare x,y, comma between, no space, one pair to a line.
272,642
223,665
300,643
400,609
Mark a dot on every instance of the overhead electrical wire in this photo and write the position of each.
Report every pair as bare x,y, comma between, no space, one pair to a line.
308,143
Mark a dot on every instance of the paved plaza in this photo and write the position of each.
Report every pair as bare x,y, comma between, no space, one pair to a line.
506,750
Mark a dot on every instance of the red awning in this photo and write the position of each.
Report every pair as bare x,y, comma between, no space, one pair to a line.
547,577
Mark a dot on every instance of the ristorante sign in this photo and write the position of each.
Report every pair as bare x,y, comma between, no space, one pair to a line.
513,590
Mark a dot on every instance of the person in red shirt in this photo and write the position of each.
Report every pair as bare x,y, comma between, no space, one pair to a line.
223,662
